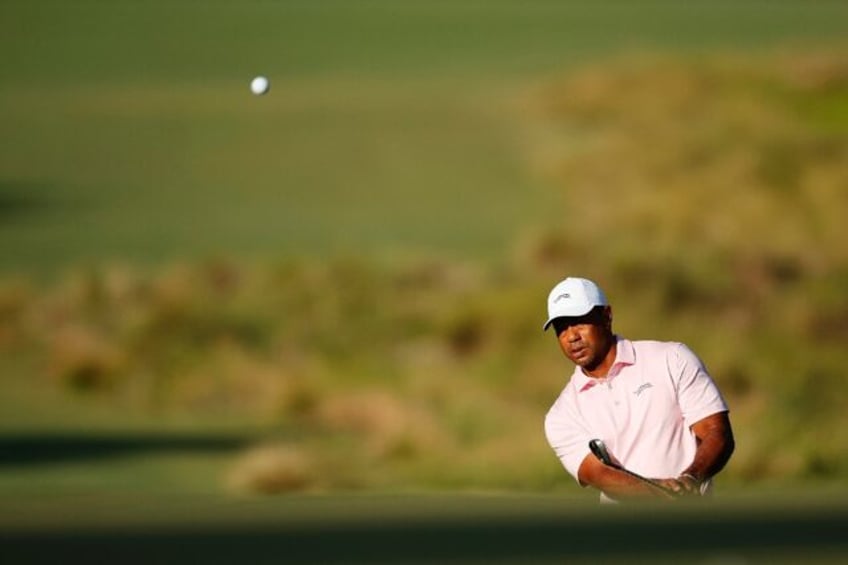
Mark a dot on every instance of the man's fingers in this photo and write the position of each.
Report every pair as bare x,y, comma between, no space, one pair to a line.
691,484
672,486
682,486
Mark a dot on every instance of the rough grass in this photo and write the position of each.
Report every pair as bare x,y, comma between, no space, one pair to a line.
710,196
707,195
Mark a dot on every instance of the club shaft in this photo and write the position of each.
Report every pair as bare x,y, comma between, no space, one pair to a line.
599,449
643,479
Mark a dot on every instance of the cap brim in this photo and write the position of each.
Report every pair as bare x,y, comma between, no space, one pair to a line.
566,314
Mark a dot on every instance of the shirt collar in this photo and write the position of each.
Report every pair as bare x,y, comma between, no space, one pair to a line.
624,356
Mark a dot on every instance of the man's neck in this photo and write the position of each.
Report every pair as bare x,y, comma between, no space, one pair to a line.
601,370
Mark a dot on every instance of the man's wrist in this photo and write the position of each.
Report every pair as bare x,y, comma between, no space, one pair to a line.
692,481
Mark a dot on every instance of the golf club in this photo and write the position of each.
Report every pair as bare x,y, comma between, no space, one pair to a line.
600,451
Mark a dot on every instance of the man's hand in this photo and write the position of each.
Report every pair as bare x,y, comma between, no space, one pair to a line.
618,483
684,485
690,484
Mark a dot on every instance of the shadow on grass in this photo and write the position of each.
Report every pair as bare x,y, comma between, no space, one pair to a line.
40,449
608,536
22,199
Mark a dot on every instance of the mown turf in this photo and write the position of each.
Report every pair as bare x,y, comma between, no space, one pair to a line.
431,529
130,135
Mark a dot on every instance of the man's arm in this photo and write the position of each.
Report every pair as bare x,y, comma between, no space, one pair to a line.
715,445
714,438
614,483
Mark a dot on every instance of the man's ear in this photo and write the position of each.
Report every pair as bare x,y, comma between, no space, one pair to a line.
608,317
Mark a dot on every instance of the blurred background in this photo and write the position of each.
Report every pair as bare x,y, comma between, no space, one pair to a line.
337,288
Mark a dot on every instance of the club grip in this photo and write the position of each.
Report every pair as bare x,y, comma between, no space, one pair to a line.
600,451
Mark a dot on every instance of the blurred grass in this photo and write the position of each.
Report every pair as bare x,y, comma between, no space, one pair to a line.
438,528
729,218
366,168
348,275
720,220
129,133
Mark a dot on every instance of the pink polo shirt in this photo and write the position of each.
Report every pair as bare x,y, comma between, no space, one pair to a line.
643,409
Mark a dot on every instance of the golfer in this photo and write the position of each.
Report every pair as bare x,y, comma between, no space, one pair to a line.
652,403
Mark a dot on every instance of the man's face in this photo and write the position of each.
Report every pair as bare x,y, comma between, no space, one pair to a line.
586,340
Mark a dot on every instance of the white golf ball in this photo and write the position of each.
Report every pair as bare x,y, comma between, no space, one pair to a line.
260,85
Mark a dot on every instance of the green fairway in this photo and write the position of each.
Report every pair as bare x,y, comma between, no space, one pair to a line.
333,293
129,133
428,529
158,171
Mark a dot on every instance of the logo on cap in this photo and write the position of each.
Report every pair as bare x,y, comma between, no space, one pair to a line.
573,297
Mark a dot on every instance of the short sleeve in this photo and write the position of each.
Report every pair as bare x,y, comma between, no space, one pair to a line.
697,393
567,434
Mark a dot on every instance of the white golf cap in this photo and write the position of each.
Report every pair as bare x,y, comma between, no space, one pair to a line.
573,297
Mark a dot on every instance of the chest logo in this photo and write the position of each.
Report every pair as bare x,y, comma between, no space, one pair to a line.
642,388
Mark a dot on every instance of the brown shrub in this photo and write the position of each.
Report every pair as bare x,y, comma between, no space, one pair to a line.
389,427
15,299
271,469
84,359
